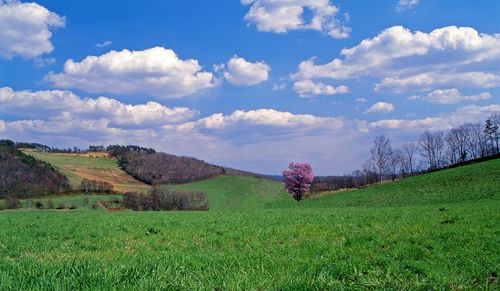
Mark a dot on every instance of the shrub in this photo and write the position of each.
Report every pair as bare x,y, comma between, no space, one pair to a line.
39,205
164,199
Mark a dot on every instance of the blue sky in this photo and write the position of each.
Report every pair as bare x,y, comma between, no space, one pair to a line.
251,84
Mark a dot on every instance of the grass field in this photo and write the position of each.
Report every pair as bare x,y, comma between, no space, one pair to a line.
94,166
436,231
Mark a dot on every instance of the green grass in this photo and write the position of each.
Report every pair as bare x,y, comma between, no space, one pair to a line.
78,166
239,193
79,200
436,231
469,183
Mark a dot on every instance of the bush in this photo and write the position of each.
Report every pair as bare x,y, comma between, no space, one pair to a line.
50,204
163,199
39,205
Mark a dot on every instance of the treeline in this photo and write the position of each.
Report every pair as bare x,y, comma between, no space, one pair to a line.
22,176
95,186
48,149
434,150
165,199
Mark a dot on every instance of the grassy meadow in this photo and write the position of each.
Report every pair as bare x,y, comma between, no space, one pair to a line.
435,231
93,166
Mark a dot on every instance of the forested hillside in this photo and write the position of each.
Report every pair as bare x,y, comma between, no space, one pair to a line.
161,168
24,176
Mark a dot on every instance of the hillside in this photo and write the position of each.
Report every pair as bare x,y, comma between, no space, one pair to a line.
435,231
473,182
239,193
93,166
23,176
156,168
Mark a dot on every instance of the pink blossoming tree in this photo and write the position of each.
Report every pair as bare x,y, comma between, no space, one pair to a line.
298,178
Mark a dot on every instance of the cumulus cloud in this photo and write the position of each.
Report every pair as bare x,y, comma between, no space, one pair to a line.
157,71
308,88
380,107
281,16
266,117
406,4
65,105
261,140
450,96
26,29
404,60
241,72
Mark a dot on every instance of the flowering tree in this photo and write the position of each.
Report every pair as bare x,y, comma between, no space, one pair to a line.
298,178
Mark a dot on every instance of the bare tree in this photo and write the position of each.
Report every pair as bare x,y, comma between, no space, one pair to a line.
381,154
477,143
491,129
395,162
409,150
369,172
432,146
456,140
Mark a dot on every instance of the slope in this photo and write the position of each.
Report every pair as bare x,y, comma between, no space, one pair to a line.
156,168
23,176
239,192
474,182
94,166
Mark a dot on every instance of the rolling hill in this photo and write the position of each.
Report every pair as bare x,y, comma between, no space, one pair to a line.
435,231
475,182
93,166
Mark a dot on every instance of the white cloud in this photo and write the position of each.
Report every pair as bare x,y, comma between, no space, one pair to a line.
265,117
26,29
450,96
470,113
281,16
65,105
243,73
432,80
404,60
104,43
361,100
157,71
261,140
380,107
307,88
406,4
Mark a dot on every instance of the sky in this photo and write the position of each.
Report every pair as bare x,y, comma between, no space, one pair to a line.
250,84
